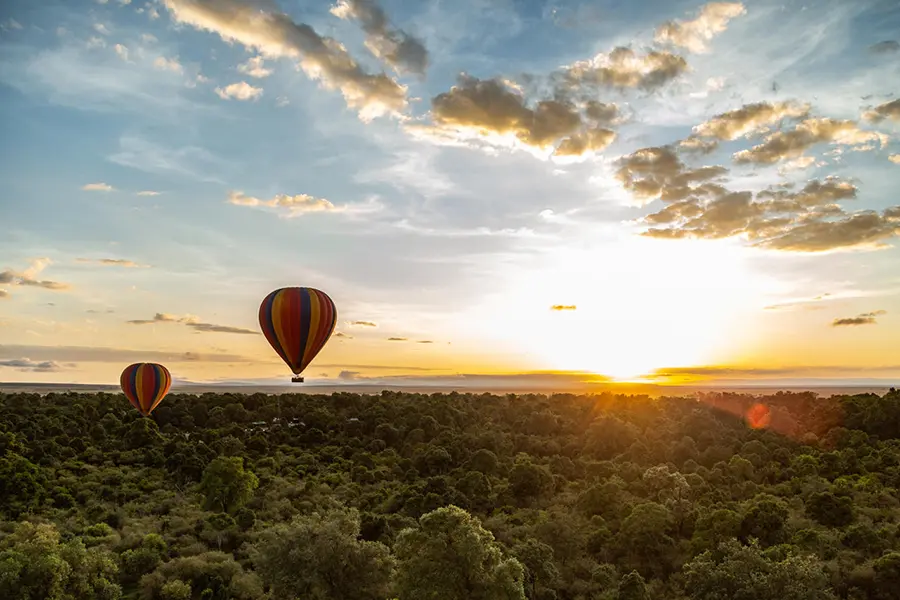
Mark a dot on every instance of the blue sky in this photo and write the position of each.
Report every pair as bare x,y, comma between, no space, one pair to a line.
450,171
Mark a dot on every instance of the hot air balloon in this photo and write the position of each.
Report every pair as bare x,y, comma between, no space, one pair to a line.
145,385
297,322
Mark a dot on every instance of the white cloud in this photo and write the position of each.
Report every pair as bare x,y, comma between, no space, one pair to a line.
101,29
10,24
300,204
122,51
254,67
148,193
148,38
694,35
239,91
275,34
168,64
894,158
97,187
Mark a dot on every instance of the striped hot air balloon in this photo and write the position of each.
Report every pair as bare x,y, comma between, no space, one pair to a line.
145,385
297,322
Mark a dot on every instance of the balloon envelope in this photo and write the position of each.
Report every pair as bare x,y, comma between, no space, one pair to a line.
145,385
297,322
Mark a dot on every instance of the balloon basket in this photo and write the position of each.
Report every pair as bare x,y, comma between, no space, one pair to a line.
296,379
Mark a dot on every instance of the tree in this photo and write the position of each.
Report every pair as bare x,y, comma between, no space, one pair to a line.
34,564
321,557
537,558
21,485
452,557
738,572
226,485
830,510
633,587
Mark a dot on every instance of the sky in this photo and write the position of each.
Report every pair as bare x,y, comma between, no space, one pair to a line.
654,191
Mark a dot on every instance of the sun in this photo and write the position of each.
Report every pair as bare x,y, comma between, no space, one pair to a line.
639,305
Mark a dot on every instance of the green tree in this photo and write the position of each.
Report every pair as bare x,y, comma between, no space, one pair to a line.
321,557
35,565
738,572
21,485
452,557
226,485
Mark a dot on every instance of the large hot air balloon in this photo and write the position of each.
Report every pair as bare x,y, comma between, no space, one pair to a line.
145,385
297,321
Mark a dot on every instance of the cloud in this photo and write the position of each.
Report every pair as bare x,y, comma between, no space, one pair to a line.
97,187
112,262
425,342
28,277
888,110
894,158
809,220
297,204
401,51
101,29
122,51
192,322
563,307
260,25
239,91
495,108
624,68
111,355
784,145
348,375
363,324
26,364
885,47
745,121
724,371
862,319
694,35
657,172
168,64
397,339
300,204
148,193
341,334
4,293
10,24
254,68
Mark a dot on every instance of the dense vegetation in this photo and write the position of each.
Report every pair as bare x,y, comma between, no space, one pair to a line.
450,497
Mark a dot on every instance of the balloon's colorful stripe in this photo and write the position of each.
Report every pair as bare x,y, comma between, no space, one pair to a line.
297,322
145,385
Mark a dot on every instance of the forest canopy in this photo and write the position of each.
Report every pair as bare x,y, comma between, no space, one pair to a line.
452,496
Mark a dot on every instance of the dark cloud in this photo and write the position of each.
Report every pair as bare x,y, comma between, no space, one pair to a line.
260,25
862,319
888,110
657,172
63,354
783,145
755,372
425,342
808,220
395,47
28,277
493,107
341,334
192,322
563,307
397,339
885,47
364,323
348,375
4,294
26,364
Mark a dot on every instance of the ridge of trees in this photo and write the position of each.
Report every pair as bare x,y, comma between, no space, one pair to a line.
455,496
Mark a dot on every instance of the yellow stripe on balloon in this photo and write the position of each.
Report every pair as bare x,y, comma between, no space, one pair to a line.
315,314
138,387
278,326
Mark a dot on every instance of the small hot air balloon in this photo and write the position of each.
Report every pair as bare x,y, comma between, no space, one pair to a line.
297,322
145,385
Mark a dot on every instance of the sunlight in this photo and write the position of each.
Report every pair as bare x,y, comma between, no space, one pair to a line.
641,304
